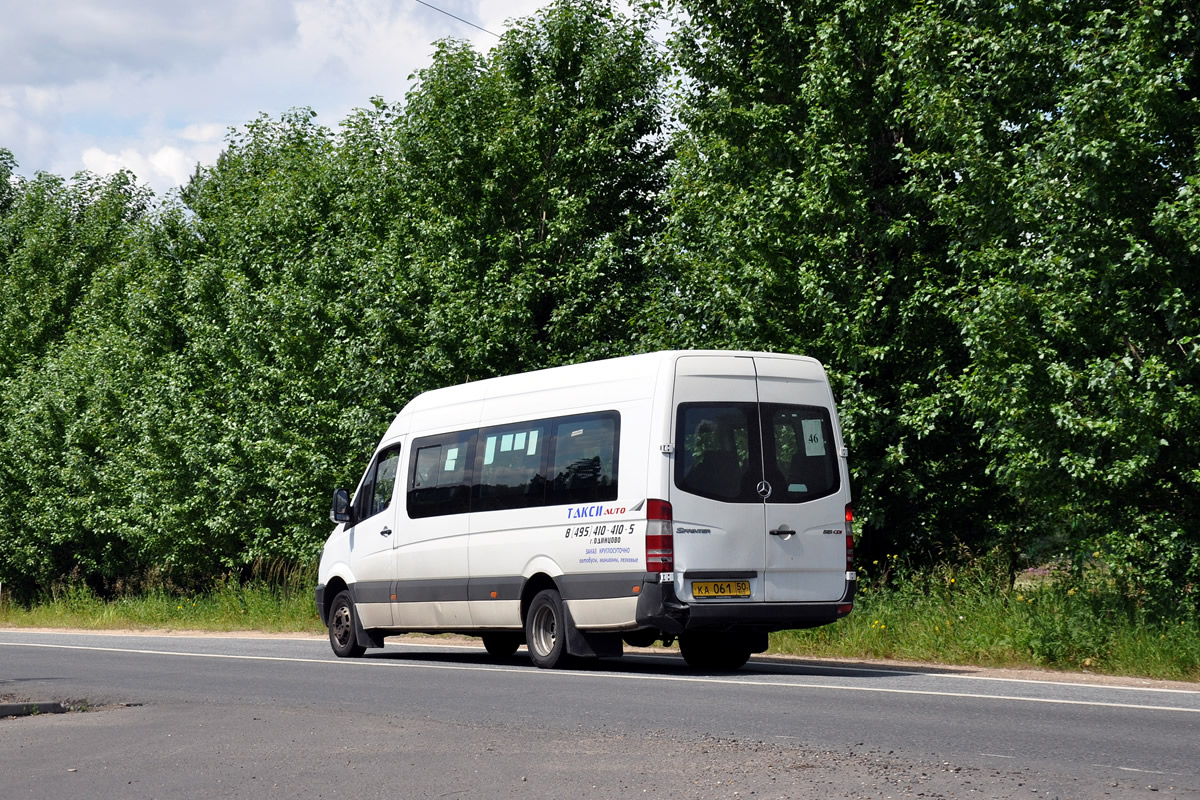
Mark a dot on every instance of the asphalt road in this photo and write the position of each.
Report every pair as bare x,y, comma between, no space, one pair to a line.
184,717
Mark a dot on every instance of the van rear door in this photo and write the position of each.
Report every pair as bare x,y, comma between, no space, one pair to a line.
805,501
719,522
757,491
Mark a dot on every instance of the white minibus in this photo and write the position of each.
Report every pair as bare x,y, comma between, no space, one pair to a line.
693,495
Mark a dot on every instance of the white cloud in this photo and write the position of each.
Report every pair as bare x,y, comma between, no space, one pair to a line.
203,133
154,87
99,161
166,166
173,163
56,41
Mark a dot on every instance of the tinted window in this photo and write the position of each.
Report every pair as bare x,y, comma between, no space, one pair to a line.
378,485
438,483
511,469
585,459
726,449
801,461
717,451
385,480
542,462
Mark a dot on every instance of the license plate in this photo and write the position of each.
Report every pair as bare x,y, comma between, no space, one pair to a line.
720,588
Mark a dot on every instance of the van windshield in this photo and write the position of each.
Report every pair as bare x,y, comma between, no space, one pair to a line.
739,452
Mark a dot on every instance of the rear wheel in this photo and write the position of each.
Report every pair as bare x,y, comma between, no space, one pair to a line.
501,645
342,635
546,629
714,651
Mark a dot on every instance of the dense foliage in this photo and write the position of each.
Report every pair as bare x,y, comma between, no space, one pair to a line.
984,219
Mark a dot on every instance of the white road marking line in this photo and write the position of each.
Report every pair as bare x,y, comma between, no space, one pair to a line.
551,674
433,643
1135,769
885,671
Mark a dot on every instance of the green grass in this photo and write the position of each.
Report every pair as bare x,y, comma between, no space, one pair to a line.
966,618
252,606
956,617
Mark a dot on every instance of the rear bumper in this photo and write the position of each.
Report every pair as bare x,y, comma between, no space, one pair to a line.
659,608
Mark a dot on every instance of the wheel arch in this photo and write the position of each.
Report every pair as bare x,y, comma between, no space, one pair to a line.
333,588
533,584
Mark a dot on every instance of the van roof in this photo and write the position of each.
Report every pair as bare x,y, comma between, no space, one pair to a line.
644,368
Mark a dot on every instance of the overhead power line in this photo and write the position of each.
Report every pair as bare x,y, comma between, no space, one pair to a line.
460,19
657,44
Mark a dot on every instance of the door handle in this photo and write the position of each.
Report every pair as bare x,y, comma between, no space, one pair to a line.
783,530
386,532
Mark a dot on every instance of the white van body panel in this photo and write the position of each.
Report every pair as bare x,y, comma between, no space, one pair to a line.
370,558
471,563
604,614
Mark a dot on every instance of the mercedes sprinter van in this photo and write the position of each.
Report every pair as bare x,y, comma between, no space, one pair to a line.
693,495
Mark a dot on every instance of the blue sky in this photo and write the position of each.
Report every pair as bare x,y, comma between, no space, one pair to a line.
154,85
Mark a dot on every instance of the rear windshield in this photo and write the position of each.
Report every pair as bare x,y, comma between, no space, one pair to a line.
737,452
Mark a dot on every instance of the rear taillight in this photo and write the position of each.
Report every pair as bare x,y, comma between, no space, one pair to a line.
849,538
660,540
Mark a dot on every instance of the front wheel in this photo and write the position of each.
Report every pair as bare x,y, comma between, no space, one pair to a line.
546,630
342,635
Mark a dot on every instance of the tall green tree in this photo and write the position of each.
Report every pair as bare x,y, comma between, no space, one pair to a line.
8,191
794,227
980,217
1060,144
184,385
295,339
63,376
535,173
54,235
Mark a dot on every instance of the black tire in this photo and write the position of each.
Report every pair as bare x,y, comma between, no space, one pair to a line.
342,625
546,630
501,645
714,652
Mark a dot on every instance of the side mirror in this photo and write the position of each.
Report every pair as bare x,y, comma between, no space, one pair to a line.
340,512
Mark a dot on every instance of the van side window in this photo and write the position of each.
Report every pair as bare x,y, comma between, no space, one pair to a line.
585,459
378,485
438,483
385,480
511,467
519,465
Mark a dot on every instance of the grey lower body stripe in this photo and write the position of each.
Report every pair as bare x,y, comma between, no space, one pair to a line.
595,586
446,590
439,591
372,592
588,586
505,588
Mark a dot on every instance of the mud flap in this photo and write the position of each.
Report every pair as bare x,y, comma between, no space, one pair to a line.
585,644
364,637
